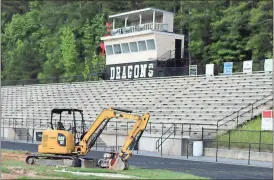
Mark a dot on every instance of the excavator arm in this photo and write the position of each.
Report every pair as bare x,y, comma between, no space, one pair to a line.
134,136
89,138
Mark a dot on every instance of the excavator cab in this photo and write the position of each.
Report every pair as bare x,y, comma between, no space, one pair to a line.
61,139
73,123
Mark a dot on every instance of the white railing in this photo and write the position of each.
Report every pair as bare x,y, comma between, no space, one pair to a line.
141,27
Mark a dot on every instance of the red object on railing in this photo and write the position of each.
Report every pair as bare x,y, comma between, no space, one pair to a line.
108,25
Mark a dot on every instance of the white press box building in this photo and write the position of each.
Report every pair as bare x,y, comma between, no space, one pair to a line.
140,43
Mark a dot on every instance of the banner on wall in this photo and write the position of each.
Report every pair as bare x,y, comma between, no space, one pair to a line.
228,67
247,67
267,120
193,70
268,65
210,70
131,70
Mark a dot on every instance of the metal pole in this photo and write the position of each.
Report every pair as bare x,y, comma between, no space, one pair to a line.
32,130
2,129
27,134
174,129
116,141
150,127
116,134
229,139
251,112
237,118
161,146
162,129
217,151
14,129
187,148
189,132
202,133
260,140
249,147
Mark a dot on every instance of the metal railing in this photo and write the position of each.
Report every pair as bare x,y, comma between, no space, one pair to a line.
170,54
138,28
216,145
232,137
238,113
158,144
159,128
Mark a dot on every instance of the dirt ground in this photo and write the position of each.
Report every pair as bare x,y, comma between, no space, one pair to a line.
16,172
7,156
19,172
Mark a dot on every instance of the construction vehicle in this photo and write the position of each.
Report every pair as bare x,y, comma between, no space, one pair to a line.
60,146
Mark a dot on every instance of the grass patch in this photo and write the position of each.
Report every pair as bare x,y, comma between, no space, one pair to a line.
4,170
266,137
27,177
133,171
143,173
45,171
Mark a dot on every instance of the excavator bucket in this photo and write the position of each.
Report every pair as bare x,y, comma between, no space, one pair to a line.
118,164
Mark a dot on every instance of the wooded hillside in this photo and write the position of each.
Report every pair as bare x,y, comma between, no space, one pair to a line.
59,38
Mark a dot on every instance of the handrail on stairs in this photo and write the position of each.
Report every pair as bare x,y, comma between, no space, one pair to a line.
237,112
158,144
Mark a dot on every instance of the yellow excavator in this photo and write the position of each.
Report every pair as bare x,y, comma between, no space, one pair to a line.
60,146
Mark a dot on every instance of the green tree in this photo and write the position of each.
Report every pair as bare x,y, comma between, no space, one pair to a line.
231,34
68,52
260,41
21,57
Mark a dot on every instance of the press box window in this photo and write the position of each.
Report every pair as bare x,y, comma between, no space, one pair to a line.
125,48
133,47
109,50
117,49
142,45
151,44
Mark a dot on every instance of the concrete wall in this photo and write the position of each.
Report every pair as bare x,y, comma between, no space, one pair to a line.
113,140
8,133
239,154
166,42
171,147
145,143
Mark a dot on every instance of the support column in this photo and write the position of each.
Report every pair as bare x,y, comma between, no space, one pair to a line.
140,16
113,24
126,21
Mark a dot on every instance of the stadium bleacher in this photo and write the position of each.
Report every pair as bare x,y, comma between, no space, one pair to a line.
196,101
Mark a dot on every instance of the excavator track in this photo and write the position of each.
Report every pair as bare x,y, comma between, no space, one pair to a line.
54,160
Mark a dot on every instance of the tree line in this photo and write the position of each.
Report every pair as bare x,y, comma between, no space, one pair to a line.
42,39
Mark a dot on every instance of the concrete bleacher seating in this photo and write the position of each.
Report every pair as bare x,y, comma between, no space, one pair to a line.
195,101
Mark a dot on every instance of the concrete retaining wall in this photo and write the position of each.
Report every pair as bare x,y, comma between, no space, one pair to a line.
238,154
8,133
173,147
